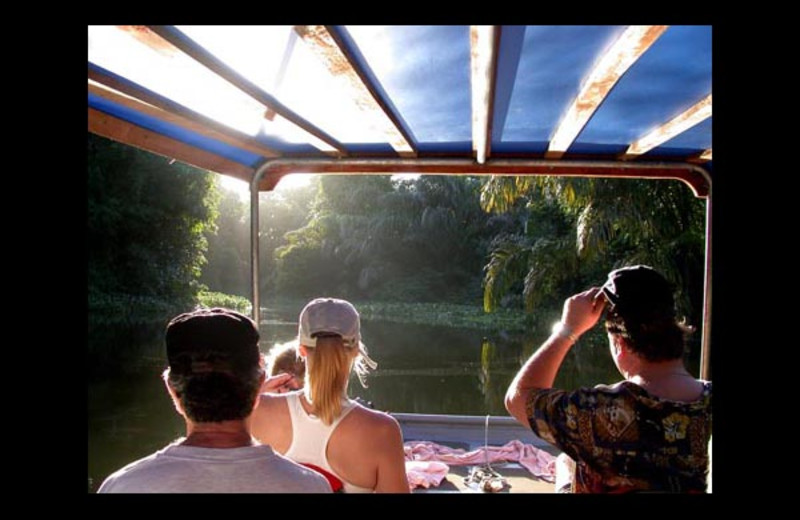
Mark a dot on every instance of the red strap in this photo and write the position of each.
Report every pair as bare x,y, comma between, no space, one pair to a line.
333,480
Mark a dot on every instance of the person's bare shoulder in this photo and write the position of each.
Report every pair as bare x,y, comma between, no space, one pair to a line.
270,407
372,415
375,425
271,423
273,399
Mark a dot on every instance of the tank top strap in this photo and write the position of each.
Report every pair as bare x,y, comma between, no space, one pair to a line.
298,412
348,405
295,406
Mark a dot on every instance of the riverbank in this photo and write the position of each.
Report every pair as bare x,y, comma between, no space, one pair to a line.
110,310
446,314
419,313
129,309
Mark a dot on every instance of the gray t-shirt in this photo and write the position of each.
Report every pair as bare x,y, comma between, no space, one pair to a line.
191,469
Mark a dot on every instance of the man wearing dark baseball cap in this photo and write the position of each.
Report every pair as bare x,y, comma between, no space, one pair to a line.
646,433
214,377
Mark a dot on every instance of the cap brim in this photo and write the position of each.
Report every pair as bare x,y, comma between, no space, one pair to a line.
612,298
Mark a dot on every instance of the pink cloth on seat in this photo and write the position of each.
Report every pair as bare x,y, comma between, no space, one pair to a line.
425,473
539,462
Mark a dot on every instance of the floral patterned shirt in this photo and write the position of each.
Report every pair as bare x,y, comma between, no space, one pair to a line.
624,439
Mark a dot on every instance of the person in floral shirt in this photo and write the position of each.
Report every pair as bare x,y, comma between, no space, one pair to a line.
646,433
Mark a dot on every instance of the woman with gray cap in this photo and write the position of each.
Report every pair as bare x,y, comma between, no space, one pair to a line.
648,432
358,449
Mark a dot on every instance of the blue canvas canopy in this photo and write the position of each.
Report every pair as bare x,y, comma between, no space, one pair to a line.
409,98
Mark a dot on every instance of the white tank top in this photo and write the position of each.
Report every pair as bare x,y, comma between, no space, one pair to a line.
310,437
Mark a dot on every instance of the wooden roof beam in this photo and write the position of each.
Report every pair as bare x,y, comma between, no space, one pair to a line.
178,115
342,63
484,44
675,126
609,69
701,158
111,127
202,56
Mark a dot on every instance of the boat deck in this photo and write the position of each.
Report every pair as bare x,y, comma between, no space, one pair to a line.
519,480
472,432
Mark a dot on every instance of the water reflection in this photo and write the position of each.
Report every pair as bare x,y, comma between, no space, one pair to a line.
130,416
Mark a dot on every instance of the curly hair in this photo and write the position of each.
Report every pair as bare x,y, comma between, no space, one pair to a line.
216,396
284,358
655,336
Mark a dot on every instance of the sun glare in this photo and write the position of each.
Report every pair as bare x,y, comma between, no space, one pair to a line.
171,73
294,180
238,186
272,57
287,182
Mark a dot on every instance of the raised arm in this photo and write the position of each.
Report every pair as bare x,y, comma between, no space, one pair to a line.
277,384
581,312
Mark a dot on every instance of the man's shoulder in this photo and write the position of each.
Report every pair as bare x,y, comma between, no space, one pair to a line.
251,469
312,480
130,471
619,388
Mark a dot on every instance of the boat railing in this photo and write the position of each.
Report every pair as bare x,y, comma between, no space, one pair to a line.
466,431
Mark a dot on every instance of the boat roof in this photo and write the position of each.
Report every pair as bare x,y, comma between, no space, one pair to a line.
260,102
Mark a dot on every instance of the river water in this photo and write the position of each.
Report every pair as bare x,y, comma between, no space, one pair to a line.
422,369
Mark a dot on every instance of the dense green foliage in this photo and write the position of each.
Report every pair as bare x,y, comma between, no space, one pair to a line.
228,258
229,301
445,314
146,226
576,230
498,243
515,243
374,238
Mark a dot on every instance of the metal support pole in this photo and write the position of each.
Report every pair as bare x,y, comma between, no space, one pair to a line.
254,250
691,174
705,349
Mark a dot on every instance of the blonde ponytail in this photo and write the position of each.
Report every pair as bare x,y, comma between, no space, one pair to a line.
328,372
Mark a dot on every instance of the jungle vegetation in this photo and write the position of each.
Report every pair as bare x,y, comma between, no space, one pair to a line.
163,237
